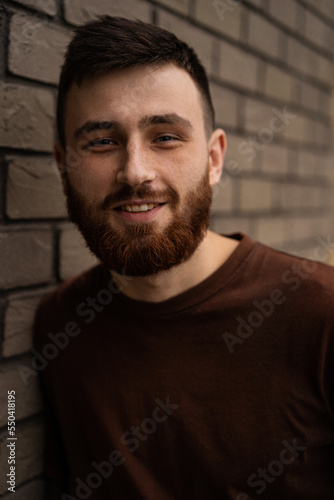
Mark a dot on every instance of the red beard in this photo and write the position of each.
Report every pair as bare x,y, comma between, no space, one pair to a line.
142,249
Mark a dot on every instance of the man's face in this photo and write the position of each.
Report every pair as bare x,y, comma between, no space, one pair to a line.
141,190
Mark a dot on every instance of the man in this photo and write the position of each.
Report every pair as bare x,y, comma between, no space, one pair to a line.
187,365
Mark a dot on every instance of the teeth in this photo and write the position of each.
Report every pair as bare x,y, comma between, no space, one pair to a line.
139,208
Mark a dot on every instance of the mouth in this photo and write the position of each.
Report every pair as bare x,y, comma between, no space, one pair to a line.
139,211
138,208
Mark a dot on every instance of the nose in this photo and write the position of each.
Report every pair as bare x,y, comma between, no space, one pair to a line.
135,168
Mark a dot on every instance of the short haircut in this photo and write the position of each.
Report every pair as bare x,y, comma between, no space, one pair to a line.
114,43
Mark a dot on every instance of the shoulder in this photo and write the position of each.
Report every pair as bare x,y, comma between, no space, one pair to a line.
310,270
59,306
308,281
77,286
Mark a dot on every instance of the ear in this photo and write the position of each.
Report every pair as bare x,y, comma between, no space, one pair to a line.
60,157
217,149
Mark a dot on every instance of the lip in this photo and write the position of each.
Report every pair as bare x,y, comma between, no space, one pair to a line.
137,202
139,216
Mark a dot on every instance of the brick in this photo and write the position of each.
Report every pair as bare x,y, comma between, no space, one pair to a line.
27,395
298,129
279,84
223,225
306,163
323,134
29,453
322,227
271,231
257,3
293,161
325,102
296,196
47,6
263,36
27,258
317,133
325,70
299,228
272,123
275,159
318,31
326,7
258,116
27,118
77,12
195,37
284,11
324,166
34,189
223,194
225,103
320,133
19,321
310,97
36,48
300,19
222,16
241,156
181,6
4,15
302,58
255,195
291,197
34,490
75,257
238,67
302,249
324,199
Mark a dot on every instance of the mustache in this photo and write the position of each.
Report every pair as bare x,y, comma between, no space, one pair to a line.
141,192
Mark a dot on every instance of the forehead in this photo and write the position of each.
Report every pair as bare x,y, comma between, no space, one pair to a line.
128,95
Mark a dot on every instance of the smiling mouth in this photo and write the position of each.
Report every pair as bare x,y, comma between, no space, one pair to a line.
145,207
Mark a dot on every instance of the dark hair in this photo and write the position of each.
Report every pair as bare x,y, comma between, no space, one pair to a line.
112,43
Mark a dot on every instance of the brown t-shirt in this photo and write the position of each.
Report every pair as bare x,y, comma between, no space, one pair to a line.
222,392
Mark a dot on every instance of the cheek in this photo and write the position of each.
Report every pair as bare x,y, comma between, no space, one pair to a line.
190,168
90,176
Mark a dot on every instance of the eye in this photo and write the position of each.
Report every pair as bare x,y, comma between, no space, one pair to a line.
166,138
101,142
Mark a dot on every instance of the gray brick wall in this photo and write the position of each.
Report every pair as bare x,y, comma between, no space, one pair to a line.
270,64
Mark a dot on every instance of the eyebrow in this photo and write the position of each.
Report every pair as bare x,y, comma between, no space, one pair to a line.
145,122
168,118
91,126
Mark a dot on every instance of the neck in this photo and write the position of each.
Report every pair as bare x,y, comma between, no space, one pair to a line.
211,253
